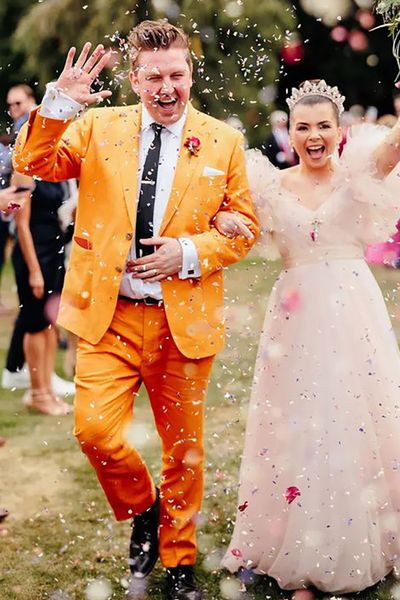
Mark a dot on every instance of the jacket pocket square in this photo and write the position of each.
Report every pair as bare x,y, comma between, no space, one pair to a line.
211,172
83,242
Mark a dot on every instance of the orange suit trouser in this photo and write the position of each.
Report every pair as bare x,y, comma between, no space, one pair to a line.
138,347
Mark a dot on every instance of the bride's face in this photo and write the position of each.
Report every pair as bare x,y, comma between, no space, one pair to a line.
314,133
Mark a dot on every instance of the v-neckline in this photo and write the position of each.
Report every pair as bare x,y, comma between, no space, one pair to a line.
298,202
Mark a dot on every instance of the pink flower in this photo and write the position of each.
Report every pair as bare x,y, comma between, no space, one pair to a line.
291,301
13,206
193,145
292,493
236,552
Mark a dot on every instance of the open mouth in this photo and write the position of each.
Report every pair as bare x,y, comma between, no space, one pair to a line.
316,152
167,104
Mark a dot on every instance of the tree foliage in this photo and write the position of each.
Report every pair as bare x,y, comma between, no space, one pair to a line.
235,43
360,80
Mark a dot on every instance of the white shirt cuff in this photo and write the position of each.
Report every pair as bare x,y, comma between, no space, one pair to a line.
57,105
190,259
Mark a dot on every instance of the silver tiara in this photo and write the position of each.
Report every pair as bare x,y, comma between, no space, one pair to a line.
320,88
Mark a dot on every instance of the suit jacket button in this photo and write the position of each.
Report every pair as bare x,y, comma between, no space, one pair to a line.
129,236
119,269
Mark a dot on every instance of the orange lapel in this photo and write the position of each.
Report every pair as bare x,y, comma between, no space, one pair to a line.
128,136
188,165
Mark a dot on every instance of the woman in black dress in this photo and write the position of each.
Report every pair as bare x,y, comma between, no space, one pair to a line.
38,260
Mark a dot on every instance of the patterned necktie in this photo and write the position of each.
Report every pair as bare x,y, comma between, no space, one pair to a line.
147,196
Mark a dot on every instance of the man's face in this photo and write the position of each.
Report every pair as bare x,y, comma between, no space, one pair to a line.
19,103
163,80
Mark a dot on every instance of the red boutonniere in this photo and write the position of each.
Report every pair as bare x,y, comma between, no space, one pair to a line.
193,145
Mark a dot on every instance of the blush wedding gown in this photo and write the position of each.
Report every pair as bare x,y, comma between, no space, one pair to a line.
319,492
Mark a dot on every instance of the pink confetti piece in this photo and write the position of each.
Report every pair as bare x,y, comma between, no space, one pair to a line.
236,552
292,493
13,206
291,302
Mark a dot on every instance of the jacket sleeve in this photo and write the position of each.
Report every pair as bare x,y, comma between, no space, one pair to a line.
52,149
215,250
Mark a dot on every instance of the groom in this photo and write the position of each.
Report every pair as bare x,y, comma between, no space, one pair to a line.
144,288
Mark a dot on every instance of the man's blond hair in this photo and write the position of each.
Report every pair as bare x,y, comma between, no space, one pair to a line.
156,35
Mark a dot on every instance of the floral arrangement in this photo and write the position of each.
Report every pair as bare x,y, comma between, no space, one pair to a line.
390,12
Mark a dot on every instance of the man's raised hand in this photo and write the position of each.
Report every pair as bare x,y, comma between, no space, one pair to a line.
76,79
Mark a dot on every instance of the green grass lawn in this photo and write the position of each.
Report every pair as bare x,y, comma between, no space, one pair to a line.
61,535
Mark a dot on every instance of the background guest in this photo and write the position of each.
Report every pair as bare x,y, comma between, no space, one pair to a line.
20,101
38,260
277,146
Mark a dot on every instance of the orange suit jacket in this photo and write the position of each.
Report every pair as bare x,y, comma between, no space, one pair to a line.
101,149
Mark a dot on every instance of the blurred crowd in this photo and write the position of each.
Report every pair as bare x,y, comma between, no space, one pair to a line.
34,238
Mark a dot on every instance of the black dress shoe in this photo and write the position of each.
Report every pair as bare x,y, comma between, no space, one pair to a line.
181,584
143,549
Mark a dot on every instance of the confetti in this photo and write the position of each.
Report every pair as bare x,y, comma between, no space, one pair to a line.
99,589
212,562
291,301
231,588
137,435
13,206
395,591
292,493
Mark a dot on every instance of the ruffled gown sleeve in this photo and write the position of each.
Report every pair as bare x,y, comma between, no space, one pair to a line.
378,200
264,186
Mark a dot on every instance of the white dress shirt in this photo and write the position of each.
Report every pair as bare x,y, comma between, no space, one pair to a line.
57,105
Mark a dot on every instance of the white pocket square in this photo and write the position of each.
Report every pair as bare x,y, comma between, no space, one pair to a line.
210,172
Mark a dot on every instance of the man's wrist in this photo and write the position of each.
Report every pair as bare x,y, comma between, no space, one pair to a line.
58,105
190,260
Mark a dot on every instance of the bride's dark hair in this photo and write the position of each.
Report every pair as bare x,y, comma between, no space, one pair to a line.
314,99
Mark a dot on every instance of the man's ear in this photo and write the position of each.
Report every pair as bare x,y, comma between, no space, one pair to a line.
133,79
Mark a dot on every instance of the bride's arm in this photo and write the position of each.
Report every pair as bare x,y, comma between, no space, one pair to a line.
387,154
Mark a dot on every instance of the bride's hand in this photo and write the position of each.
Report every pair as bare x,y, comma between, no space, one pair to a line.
231,225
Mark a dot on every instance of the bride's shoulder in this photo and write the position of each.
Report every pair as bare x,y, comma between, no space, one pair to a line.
263,176
361,143
259,167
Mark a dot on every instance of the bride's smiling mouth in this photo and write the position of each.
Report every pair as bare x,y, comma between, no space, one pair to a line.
316,151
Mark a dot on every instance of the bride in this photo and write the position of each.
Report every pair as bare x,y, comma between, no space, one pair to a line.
319,492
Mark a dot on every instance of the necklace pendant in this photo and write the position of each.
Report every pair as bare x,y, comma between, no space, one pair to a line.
314,233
